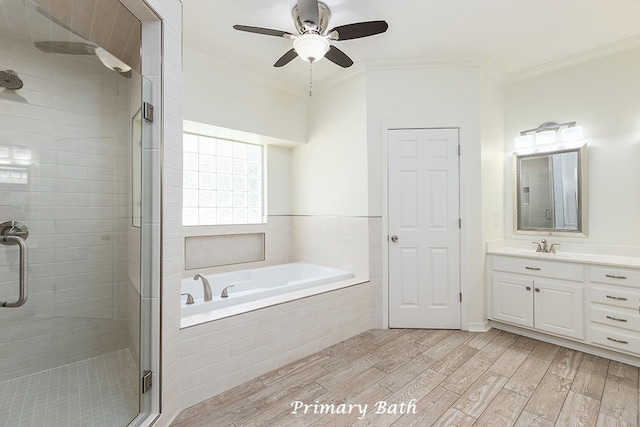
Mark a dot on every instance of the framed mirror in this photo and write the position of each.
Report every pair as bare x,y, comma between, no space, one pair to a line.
550,192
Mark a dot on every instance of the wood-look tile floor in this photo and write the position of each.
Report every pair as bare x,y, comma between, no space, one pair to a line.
432,377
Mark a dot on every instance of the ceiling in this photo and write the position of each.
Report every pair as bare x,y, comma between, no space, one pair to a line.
516,34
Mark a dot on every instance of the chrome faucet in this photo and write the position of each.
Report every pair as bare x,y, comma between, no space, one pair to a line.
205,284
224,293
543,248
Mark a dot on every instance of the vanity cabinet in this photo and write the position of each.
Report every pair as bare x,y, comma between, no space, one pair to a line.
614,308
585,298
539,294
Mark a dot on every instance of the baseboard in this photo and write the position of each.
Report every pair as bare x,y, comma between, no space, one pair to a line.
479,327
574,345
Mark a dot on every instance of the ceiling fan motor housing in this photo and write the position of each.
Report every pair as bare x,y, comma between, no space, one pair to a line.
324,15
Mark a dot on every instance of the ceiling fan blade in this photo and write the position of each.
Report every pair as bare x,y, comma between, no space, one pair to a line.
286,58
359,29
337,56
259,30
308,11
75,48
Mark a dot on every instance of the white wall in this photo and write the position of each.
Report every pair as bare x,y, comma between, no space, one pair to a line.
430,97
330,171
492,111
279,180
235,99
602,96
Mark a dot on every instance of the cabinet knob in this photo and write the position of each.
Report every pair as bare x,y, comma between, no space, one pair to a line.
537,289
528,288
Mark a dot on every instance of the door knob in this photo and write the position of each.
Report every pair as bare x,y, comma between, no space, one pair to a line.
394,238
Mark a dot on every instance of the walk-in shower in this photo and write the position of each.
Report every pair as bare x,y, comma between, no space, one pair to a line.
74,260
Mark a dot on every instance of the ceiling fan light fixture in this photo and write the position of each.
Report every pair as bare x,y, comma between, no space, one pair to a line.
311,47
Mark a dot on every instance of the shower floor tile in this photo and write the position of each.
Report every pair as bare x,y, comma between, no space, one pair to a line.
101,391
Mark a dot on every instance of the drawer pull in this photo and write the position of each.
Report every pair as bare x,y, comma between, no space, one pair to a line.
611,276
616,319
533,268
618,341
616,298
528,288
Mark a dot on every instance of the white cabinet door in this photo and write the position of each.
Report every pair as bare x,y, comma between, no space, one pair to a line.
512,298
559,308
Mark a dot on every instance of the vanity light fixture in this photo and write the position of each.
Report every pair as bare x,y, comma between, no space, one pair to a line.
524,141
546,133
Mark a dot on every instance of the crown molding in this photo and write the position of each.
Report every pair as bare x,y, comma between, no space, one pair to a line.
579,58
235,70
483,62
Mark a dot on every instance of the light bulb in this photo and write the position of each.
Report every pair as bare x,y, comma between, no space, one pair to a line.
546,137
524,141
572,133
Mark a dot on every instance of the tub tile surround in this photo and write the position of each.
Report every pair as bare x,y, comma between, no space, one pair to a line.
335,241
217,356
277,245
222,354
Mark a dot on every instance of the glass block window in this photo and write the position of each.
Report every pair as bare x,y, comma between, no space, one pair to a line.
222,182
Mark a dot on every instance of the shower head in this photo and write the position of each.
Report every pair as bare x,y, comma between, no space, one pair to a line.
9,80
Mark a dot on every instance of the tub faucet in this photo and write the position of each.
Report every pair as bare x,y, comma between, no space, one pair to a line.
205,284
224,293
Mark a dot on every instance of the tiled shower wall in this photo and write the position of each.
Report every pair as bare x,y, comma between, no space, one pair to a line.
73,114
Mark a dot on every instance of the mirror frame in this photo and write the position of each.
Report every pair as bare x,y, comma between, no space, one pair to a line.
581,150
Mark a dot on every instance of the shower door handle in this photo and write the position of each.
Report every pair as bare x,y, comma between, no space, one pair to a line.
13,240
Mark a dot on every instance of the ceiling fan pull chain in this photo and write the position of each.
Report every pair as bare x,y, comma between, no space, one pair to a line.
310,78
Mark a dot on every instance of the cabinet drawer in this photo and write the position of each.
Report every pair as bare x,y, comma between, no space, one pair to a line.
619,318
619,339
541,268
615,276
615,296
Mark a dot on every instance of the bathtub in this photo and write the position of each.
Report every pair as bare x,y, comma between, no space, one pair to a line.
258,288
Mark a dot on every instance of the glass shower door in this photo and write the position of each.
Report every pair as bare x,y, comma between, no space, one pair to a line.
70,262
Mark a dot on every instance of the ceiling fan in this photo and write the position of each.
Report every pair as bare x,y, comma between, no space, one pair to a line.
312,43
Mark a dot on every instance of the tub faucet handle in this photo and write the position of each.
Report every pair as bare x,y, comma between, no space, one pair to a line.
224,293
189,298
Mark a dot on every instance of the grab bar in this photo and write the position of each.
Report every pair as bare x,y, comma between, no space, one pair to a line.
17,240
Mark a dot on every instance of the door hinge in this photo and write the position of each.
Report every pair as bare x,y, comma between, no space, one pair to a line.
460,296
459,149
147,111
146,381
459,222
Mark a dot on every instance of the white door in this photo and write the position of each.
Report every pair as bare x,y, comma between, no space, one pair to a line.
424,231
